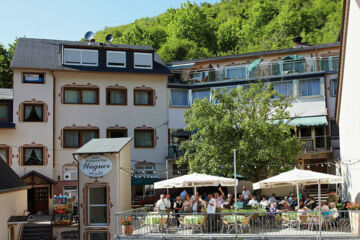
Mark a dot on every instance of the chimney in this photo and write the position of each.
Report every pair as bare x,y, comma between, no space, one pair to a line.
297,42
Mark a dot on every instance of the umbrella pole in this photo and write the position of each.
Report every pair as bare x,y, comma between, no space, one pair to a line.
298,197
235,194
194,191
319,197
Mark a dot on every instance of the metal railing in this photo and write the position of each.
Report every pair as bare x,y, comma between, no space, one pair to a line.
175,152
244,223
247,71
317,143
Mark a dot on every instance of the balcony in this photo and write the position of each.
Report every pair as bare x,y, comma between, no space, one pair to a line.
174,152
291,65
316,144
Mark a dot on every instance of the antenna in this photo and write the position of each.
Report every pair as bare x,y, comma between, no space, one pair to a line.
89,36
109,38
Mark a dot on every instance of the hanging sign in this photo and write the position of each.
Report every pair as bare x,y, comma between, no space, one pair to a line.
96,166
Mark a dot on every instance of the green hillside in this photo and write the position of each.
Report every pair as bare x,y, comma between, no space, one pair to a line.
232,27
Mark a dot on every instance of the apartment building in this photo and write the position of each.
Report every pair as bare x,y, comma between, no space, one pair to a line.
347,110
66,93
308,74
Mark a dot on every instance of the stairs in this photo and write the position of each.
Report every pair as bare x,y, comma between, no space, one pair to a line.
38,232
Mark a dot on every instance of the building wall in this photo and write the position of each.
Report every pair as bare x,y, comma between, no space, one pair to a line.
16,204
30,132
104,116
349,118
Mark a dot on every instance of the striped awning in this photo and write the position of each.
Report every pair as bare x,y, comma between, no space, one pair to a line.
309,121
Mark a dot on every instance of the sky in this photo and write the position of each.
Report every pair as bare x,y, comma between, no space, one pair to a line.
71,19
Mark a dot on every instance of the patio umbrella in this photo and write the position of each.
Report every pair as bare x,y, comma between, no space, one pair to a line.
195,180
297,177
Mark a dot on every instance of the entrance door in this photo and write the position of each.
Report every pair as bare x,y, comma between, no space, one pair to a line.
41,202
31,200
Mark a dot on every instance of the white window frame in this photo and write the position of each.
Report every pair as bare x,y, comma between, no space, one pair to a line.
143,54
115,52
81,57
97,205
143,169
69,172
69,191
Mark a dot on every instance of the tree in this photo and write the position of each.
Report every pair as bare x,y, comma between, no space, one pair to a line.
252,121
6,73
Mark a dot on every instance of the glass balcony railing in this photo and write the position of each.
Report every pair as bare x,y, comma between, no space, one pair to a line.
317,143
260,70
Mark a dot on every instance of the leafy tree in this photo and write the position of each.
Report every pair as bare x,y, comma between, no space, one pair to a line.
6,73
249,120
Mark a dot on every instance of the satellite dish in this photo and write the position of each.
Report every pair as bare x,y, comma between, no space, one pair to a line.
109,38
89,36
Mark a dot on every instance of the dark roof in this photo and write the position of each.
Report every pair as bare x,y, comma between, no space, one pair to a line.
256,54
39,175
9,180
45,54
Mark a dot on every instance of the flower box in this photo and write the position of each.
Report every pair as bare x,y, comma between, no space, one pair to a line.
127,229
355,221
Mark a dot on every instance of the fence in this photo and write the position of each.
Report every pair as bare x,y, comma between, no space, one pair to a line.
244,223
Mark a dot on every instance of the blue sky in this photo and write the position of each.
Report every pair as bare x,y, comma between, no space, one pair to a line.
70,19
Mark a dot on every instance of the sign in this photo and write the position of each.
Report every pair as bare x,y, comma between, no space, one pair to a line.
96,166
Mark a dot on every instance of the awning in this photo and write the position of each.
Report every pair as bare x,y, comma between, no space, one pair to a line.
293,57
309,121
143,181
254,64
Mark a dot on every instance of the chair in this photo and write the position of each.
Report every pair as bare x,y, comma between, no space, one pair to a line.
245,224
200,226
304,220
226,225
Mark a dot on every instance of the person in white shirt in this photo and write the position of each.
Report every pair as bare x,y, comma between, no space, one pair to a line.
253,202
211,204
245,193
211,209
161,204
272,199
264,203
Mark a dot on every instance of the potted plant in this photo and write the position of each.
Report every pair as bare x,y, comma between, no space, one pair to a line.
127,225
333,197
354,215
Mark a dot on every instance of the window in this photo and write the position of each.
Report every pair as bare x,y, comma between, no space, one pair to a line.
284,88
144,97
80,57
81,96
116,133
70,173
333,86
275,68
179,98
33,112
33,77
144,138
97,204
144,169
143,60
4,112
5,154
198,76
293,64
98,236
116,96
238,72
77,138
334,129
33,156
116,59
309,87
71,191
200,94
329,63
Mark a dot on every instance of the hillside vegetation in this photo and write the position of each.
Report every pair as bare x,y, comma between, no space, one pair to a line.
232,27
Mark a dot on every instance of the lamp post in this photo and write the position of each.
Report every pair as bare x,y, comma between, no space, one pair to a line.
235,192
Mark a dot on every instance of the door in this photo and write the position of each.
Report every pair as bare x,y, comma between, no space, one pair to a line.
41,202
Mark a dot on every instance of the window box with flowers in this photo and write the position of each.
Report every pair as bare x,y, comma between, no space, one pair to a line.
354,214
62,212
127,225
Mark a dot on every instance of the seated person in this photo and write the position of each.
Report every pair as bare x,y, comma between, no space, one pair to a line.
302,210
285,207
229,202
264,202
272,199
333,210
240,202
293,203
253,202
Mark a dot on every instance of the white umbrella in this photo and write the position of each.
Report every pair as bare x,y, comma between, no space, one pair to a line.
195,180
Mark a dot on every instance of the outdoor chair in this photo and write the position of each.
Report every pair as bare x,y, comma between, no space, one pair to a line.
288,221
304,220
245,224
226,225
199,226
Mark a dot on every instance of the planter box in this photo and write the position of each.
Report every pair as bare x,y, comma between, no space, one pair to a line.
355,222
127,229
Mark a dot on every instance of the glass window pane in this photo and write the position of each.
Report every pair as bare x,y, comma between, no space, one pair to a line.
98,236
98,214
179,97
72,96
275,68
335,63
333,87
71,139
200,95
143,139
324,64
89,96
143,97
33,77
4,153
299,66
118,134
284,88
87,136
33,156
236,72
3,112
310,87
116,97
97,195
34,113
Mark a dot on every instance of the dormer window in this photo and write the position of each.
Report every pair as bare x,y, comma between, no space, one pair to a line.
116,59
84,57
143,60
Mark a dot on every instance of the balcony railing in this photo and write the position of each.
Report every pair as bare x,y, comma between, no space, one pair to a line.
262,70
317,143
175,152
